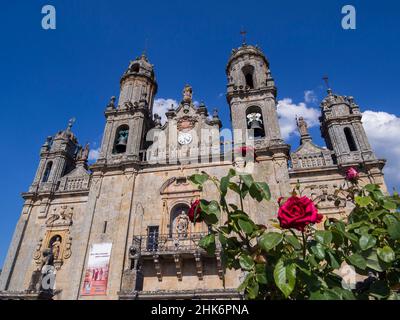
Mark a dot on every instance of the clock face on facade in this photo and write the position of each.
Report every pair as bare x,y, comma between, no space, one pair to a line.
184,138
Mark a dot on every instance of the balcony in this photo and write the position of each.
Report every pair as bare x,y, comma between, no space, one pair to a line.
166,247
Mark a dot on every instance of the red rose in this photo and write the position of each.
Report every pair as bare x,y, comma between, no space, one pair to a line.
352,174
195,210
297,213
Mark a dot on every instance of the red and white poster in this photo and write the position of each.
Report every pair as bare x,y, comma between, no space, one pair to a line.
96,274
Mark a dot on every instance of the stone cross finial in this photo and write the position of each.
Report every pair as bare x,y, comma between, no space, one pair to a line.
243,33
325,78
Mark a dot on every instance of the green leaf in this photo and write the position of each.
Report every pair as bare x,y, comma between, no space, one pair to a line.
389,205
393,226
371,187
253,289
363,201
208,243
323,237
265,189
247,179
199,179
224,185
366,241
386,254
332,259
357,261
261,275
293,241
319,251
270,240
246,226
246,262
245,282
214,208
256,192
285,277
234,187
373,261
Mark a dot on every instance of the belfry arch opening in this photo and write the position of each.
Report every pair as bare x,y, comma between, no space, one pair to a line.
47,171
350,139
255,122
248,72
121,139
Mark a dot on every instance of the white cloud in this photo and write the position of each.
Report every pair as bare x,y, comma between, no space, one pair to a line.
161,106
287,112
383,131
310,97
94,154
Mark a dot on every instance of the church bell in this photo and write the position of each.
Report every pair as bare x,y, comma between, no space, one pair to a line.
120,147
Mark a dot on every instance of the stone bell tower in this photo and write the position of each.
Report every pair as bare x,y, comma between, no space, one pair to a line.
57,158
130,119
343,131
251,95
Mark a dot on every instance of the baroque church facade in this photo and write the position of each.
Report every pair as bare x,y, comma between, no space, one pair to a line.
118,229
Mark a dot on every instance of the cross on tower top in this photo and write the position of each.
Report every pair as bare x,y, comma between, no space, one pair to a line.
243,33
325,78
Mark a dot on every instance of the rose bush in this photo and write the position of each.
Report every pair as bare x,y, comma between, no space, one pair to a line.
298,261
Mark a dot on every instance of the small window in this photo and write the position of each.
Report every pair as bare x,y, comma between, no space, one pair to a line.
152,238
121,139
46,173
350,139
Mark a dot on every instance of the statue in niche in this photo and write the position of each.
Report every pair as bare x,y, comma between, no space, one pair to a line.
55,247
182,224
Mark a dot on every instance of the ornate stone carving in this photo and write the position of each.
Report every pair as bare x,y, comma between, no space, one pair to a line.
61,218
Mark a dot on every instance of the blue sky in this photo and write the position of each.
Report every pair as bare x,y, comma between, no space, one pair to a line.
51,76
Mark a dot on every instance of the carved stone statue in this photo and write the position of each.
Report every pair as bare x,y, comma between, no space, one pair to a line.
302,125
187,93
111,104
182,224
134,254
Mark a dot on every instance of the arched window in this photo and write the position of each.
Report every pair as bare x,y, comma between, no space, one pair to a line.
248,72
179,221
350,139
121,139
47,171
255,121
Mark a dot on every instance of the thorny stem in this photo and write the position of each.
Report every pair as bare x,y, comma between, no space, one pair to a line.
304,245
